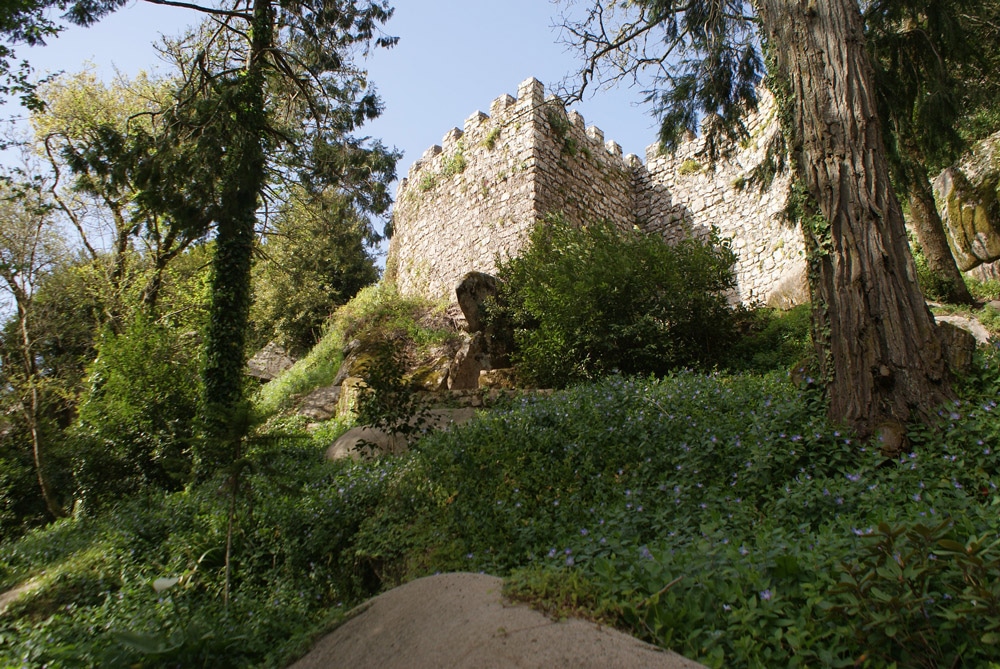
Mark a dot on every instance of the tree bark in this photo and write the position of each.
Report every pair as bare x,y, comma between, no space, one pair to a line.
933,241
880,356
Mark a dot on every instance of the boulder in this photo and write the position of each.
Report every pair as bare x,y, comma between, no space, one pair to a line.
970,325
968,200
468,362
269,362
472,291
321,404
504,379
348,396
959,346
791,290
431,374
366,441
360,442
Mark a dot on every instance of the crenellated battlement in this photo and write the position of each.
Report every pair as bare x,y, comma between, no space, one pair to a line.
478,193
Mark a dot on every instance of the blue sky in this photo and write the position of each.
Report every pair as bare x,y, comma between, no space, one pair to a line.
453,58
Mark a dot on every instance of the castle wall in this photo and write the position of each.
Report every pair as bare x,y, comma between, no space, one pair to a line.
683,194
480,193
579,175
469,199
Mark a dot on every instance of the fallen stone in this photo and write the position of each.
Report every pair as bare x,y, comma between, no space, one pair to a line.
366,441
472,291
361,442
959,345
468,362
321,404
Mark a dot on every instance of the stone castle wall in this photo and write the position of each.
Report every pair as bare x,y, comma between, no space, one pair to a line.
481,191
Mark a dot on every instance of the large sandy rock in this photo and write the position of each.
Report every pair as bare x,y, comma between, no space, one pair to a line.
462,620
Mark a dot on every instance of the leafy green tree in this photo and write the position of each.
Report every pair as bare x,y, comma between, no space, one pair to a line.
136,423
84,133
881,360
269,89
29,246
314,259
588,301
237,123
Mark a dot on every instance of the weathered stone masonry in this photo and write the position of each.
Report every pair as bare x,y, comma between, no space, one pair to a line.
480,192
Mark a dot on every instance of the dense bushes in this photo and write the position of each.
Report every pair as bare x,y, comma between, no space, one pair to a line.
770,340
724,518
587,301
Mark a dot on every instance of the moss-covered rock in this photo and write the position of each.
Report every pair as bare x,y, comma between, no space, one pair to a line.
968,199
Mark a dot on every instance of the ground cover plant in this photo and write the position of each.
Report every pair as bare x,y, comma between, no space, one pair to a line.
719,515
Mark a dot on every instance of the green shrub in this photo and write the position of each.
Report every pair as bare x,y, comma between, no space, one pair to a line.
985,290
933,286
720,516
771,340
588,301
137,421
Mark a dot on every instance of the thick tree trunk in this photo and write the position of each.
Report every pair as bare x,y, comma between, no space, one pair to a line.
879,352
933,241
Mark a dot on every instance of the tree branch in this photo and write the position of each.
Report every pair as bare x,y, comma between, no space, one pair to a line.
199,8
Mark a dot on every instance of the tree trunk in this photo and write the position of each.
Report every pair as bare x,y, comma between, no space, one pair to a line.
244,178
879,353
930,234
31,410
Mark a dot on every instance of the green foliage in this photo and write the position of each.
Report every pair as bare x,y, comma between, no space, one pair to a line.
587,301
491,138
911,591
387,401
315,260
137,422
771,340
376,314
454,163
689,167
933,285
985,290
719,515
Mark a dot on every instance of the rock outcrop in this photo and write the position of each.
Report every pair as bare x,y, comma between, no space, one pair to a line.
968,199
269,362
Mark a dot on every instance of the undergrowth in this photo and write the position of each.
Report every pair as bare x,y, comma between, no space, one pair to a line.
721,516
